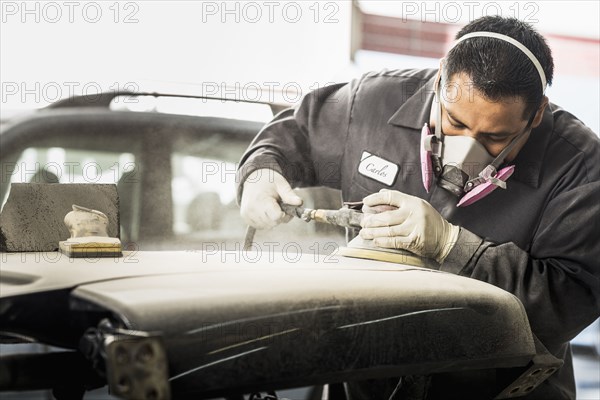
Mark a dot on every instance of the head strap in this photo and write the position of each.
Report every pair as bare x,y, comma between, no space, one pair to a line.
512,41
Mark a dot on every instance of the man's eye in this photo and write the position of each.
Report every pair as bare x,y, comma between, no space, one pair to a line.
456,125
496,139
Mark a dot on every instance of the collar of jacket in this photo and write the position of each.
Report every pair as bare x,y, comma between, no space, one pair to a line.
528,164
416,109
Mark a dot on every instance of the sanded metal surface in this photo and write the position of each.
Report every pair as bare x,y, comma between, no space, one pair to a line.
242,320
31,272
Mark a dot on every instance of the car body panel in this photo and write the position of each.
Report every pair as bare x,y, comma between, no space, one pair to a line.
247,320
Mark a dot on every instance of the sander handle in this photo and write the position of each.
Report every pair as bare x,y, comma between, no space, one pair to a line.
344,217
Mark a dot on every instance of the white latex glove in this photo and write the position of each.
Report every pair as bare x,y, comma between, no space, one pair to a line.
414,226
262,191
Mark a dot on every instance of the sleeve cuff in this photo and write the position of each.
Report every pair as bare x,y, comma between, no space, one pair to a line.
466,245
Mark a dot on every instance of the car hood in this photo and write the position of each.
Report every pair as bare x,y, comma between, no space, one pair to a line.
301,318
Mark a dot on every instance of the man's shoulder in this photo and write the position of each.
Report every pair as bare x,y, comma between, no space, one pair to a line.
572,136
391,88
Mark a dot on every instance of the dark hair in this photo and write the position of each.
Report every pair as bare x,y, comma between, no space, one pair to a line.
497,68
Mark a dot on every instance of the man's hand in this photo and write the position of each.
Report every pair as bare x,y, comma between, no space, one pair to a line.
262,192
414,226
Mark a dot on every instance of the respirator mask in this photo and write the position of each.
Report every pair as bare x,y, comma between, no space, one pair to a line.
460,164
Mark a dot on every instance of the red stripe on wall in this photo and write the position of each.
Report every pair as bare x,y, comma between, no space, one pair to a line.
572,55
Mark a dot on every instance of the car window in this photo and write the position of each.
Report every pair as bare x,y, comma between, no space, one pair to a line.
63,165
204,191
68,165
205,212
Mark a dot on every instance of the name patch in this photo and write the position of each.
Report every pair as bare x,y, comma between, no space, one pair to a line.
377,168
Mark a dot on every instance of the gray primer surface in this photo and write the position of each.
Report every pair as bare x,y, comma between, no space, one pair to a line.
33,217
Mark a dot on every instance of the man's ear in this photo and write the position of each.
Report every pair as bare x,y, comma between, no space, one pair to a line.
540,113
438,77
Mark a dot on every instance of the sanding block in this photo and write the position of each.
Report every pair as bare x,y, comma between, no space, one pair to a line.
91,246
89,237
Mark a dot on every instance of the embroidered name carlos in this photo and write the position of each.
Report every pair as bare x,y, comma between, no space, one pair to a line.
377,168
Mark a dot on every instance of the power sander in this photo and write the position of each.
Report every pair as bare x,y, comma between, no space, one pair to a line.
348,216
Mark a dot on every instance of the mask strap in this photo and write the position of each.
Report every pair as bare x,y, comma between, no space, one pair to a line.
438,113
489,173
500,158
431,146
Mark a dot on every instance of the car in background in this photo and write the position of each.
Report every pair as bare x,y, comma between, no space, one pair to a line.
172,159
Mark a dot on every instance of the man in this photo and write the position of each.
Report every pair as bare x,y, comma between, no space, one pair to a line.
488,125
